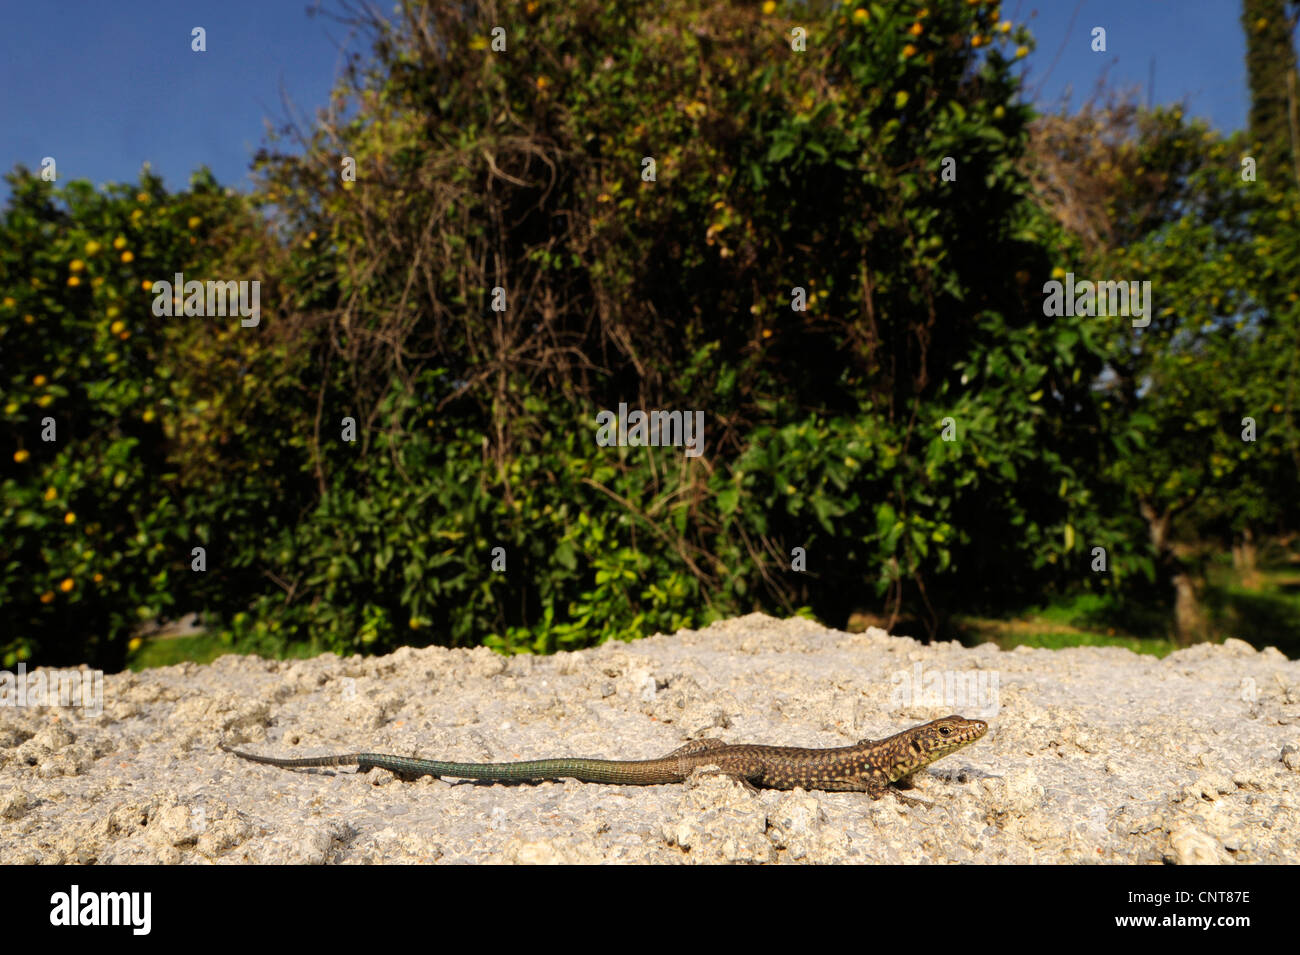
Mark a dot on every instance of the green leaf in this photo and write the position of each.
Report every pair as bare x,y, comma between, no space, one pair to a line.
780,149
886,518
566,556
728,500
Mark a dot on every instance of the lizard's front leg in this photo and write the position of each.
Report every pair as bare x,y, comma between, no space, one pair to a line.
876,787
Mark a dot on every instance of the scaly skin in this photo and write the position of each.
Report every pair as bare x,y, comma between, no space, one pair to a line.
867,766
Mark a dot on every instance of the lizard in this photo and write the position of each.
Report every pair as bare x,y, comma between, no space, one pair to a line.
868,765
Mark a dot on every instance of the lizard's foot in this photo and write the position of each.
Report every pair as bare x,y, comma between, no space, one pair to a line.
910,800
732,776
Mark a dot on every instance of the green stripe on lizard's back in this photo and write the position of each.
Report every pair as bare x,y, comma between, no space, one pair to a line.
867,766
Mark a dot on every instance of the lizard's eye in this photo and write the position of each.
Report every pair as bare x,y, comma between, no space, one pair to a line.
945,730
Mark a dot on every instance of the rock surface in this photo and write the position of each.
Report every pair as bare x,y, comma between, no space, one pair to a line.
1093,755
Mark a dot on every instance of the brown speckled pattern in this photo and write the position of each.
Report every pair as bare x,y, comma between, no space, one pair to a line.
867,766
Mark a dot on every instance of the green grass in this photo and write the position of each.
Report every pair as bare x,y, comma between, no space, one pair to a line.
1265,615
1079,620
204,648
1052,632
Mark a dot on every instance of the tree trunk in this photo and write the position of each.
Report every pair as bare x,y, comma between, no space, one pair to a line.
1189,616
1244,560
1270,69
1190,625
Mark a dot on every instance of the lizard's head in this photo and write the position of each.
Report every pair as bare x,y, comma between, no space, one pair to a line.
954,732
922,745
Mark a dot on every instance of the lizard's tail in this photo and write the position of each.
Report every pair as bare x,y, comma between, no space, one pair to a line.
347,759
631,773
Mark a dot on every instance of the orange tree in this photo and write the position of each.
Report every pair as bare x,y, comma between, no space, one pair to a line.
1222,346
818,169
94,532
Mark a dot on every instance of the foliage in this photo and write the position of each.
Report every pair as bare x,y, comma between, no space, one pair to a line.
94,535
1206,390
1269,27
675,293
920,432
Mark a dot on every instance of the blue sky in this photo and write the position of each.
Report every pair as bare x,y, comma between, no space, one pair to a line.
104,86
